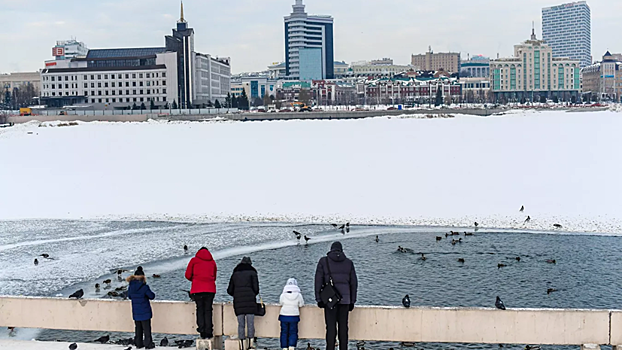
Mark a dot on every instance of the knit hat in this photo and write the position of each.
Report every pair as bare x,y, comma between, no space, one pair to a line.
247,260
139,271
336,247
291,286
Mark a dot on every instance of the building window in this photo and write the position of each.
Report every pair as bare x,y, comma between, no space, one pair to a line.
164,91
113,84
140,75
163,82
66,86
148,83
92,93
66,78
148,92
135,99
86,85
133,83
92,77
114,100
120,92
99,93
93,85
52,78
141,92
127,92
105,84
127,76
105,76
141,83
107,100
163,74
100,100
148,75
142,99
133,92
99,85
127,84
113,92
120,76
86,93
133,75
99,77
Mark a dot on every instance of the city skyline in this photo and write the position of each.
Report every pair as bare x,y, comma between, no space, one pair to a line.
252,33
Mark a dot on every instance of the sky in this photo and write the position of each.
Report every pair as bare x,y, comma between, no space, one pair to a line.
251,32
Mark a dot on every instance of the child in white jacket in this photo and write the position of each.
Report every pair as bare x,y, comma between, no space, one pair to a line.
291,300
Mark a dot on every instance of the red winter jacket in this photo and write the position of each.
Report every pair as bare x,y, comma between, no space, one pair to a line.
201,272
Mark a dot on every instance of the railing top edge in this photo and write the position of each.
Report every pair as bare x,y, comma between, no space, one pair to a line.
379,307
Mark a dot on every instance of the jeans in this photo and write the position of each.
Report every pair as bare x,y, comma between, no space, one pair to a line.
246,323
204,303
337,317
289,334
143,328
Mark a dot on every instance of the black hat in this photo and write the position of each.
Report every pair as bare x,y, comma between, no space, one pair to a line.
139,271
336,247
247,260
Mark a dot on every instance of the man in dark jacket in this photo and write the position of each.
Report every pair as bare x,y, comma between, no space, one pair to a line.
244,288
201,271
140,294
345,281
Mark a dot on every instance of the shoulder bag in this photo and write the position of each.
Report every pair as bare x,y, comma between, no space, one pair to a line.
329,295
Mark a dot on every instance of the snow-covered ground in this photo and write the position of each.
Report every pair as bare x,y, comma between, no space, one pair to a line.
563,167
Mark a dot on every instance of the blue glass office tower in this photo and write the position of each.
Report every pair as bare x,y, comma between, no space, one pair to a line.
567,29
307,34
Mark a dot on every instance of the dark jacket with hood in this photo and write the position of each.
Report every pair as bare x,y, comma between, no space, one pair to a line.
201,272
140,294
244,288
342,271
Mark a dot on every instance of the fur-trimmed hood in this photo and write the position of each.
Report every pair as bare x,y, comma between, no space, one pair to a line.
142,279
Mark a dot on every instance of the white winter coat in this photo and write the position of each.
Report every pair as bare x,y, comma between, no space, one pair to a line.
291,302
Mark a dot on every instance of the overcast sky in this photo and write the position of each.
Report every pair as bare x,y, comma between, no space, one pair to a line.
251,32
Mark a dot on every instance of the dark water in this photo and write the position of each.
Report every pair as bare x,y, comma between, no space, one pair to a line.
585,274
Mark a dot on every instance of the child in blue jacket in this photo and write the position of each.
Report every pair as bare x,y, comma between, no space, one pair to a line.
140,294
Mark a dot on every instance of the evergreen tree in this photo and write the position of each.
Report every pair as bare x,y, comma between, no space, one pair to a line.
439,96
234,102
228,100
266,100
175,105
142,106
555,99
134,106
243,102
209,104
166,105
152,105
217,104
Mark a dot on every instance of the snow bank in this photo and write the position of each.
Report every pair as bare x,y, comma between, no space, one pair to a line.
563,167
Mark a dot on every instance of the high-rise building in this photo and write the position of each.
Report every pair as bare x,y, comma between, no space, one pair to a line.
309,51
533,73
447,61
567,29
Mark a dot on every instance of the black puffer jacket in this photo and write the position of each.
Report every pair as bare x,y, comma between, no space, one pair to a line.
342,270
244,288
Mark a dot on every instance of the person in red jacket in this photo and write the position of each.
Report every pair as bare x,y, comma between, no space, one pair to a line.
201,272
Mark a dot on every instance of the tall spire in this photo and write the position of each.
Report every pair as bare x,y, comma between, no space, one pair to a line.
181,19
533,30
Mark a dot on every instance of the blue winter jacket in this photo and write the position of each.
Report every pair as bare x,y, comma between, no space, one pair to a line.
140,294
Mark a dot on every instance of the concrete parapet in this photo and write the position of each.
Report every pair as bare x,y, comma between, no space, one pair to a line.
439,325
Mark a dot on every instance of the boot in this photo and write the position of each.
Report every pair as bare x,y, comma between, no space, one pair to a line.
251,343
243,344
292,348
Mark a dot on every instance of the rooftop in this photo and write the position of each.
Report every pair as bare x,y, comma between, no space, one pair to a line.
128,52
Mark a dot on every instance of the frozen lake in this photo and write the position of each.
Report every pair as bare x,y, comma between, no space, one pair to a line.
84,252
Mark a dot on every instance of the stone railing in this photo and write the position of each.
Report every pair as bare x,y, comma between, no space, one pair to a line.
418,324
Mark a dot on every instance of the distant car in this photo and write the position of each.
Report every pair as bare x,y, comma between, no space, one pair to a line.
306,109
392,109
285,110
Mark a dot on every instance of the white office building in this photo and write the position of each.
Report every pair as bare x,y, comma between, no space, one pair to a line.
309,51
174,74
567,29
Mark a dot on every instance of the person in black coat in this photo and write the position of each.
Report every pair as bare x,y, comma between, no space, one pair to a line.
244,288
345,281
